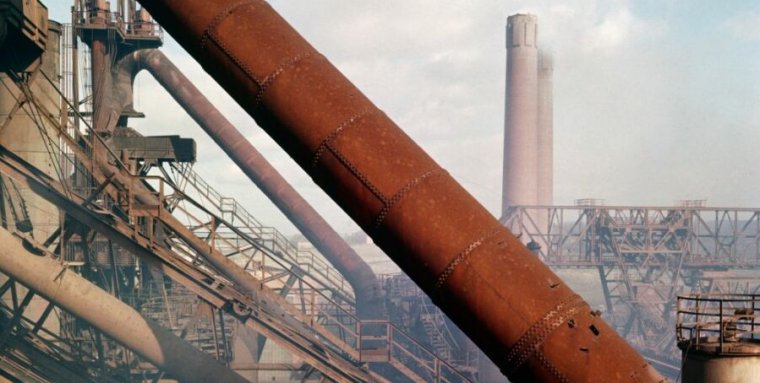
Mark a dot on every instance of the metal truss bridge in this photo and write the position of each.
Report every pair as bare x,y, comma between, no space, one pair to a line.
645,257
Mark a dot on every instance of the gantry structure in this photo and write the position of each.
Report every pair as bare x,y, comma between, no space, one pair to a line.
645,257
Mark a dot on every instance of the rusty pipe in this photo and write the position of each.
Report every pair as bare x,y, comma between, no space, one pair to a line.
115,92
101,76
80,297
357,272
103,168
520,313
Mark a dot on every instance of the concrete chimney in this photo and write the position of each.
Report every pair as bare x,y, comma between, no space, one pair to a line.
545,129
521,119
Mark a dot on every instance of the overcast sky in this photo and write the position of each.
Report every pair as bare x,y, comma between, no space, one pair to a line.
655,100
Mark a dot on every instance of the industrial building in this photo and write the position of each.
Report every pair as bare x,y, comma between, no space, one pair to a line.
641,259
120,263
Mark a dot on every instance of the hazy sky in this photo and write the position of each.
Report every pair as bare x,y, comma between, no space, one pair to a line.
655,100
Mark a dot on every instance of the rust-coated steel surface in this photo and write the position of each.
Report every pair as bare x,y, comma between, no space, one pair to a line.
521,314
357,272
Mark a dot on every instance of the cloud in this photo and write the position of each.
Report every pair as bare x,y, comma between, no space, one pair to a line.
642,114
744,25
618,28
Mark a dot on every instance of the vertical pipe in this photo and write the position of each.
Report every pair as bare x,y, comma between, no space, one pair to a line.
357,272
75,63
545,129
120,8
101,61
101,70
131,14
521,113
108,314
521,314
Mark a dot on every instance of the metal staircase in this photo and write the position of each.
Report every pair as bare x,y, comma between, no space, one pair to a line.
270,239
406,355
436,330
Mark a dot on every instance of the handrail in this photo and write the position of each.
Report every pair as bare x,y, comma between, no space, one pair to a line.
428,361
315,311
145,230
134,28
729,317
265,233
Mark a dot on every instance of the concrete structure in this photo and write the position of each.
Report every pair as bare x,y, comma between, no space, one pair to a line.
521,116
528,123
545,129
704,368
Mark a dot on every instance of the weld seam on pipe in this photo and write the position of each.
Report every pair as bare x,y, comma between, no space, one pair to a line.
361,177
269,79
208,33
335,133
532,338
551,368
456,261
399,195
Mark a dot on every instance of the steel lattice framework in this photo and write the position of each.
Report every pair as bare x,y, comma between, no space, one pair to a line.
145,238
646,256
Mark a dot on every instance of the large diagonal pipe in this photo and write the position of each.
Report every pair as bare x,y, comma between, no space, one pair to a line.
80,297
357,272
519,312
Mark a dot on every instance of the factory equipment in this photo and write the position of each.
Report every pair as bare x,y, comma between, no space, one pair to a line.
718,337
503,297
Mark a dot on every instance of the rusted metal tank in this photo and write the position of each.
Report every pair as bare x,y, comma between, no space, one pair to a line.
521,314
